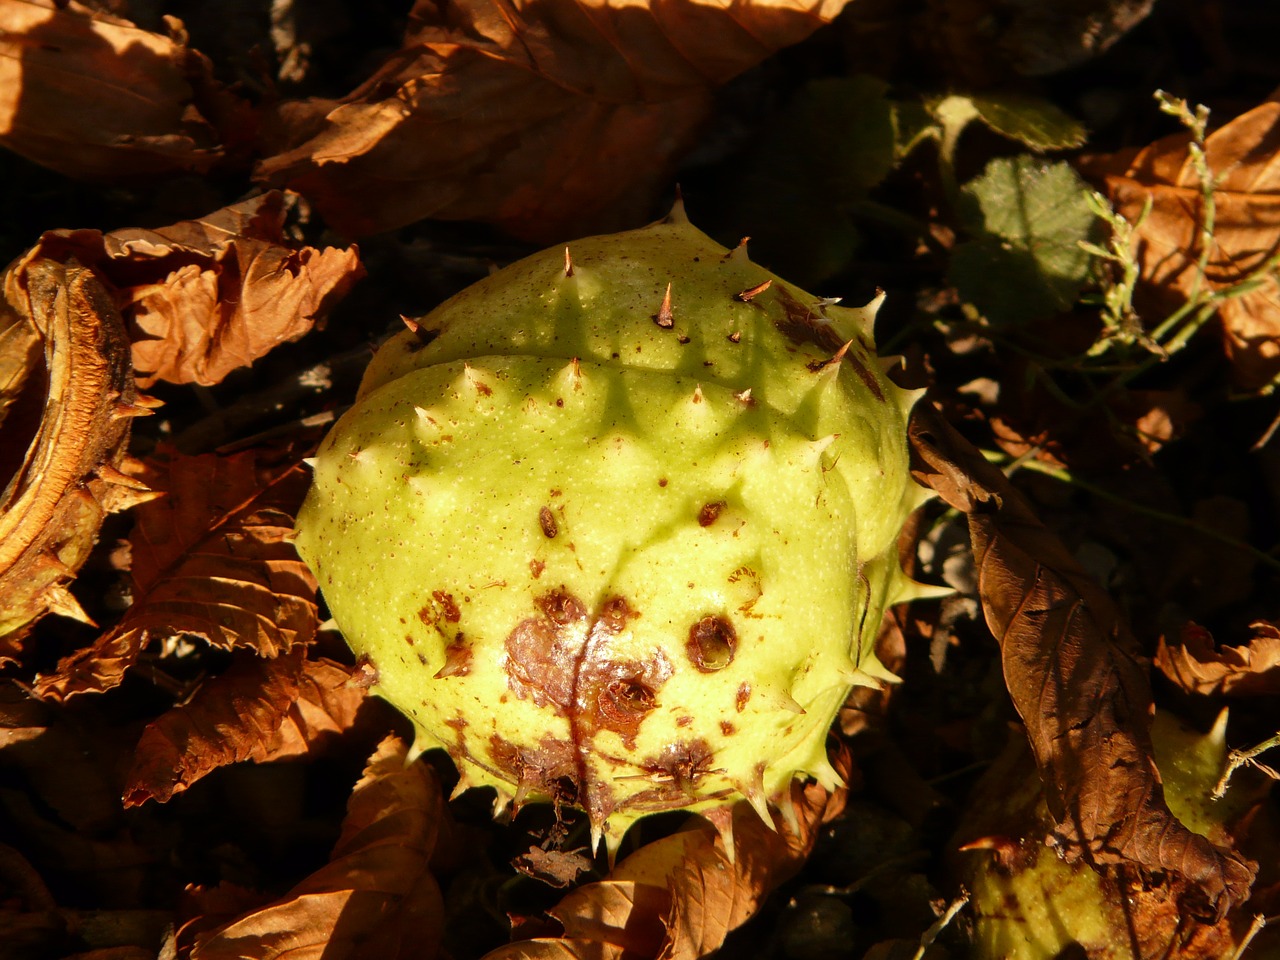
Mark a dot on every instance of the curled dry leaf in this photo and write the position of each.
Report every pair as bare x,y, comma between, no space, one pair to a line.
145,112
205,297
375,898
554,118
68,477
1072,675
1196,665
679,897
211,559
1242,157
257,710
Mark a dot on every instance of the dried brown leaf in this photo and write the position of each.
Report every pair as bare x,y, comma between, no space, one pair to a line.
141,112
326,705
212,559
1070,670
551,118
375,898
65,473
257,710
1242,155
680,896
205,297
1197,665
226,720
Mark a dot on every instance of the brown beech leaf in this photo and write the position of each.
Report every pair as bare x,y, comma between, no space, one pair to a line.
225,721
257,710
375,898
1198,666
66,427
205,297
211,559
326,705
552,118
1242,155
91,95
1071,672
679,897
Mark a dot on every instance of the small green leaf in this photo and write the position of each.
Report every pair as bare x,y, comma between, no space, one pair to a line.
1036,124
1027,218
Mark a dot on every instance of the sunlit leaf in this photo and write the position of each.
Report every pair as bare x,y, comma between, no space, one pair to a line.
1199,666
211,559
551,119
375,898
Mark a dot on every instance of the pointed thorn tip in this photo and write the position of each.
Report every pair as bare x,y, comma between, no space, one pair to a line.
664,318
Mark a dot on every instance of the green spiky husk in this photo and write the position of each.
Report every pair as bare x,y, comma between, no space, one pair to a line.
621,534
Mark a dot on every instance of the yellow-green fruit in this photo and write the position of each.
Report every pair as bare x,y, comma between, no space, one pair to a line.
621,534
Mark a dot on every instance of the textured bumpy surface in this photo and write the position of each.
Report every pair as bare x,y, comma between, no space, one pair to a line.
621,534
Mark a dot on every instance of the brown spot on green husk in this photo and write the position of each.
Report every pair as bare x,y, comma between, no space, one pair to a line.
801,325
547,521
710,513
682,763
562,658
448,607
712,643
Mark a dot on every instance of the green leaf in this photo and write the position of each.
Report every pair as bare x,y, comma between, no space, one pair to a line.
1026,218
1035,123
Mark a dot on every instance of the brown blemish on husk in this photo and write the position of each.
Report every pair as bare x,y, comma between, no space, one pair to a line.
801,325
868,378
710,512
744,694
547,521
712,643
443,607
683,763
542,769
562,658
448,607
744,572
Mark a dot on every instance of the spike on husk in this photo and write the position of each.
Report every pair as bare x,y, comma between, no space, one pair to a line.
621,533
